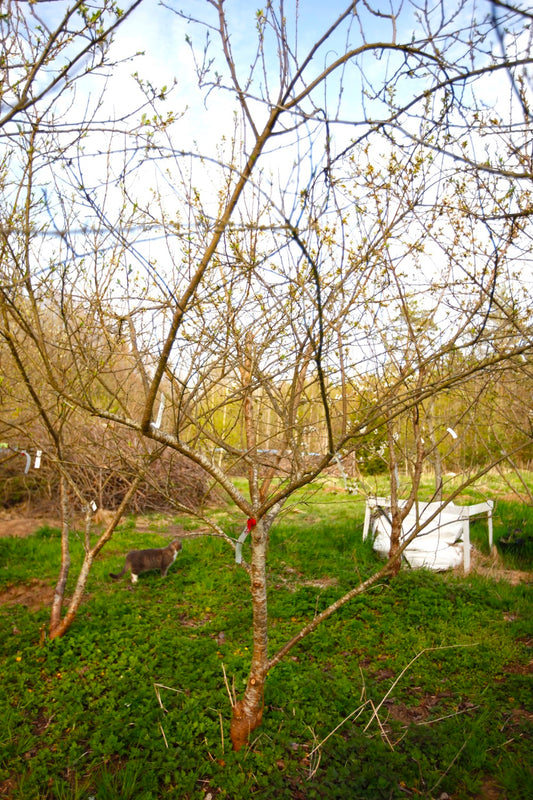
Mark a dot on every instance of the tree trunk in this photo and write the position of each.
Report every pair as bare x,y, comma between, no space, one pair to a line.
396,514
61,626
437,460
248,712
57,603
58,626
395,534
438,475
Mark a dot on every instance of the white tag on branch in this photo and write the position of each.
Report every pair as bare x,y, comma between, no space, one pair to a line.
157,423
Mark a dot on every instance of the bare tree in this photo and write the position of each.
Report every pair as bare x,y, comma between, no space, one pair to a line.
46,53
358,185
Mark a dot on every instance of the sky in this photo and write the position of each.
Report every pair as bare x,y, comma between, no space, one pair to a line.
159,36
162,38
157,33
151,264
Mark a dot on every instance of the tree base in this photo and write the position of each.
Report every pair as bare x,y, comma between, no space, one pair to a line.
243,722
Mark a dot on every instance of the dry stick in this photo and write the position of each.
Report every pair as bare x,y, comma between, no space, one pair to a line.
404,670
363,684
375,709
382,729
217,711
158,695
313,770
357,711
232,697
164,737
360,709
158,686
447,716
450,765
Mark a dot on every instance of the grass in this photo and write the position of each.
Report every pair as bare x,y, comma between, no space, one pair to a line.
132,702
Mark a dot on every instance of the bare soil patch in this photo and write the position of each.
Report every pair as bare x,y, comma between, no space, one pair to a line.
491,790
34,595
24,526
292,579
7,787
491,566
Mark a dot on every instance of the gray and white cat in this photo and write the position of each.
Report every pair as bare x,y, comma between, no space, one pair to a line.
154,558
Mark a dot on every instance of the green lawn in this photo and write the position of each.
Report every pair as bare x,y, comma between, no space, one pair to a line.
132,702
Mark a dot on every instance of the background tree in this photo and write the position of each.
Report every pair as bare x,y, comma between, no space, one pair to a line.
43,322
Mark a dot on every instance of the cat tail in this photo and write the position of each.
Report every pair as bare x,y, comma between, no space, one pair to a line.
118,574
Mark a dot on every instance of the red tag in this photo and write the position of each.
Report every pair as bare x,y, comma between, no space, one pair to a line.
250,524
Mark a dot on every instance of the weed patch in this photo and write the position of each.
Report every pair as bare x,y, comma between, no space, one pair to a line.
418,688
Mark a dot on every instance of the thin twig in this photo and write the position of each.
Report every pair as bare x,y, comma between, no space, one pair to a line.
363,684
357,711
164,737
232,698
216,710
158,686
447,716
382,729
314,770
450,765
409,665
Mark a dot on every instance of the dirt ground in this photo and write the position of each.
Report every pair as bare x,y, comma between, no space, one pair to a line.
36,593
22,526
491,566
